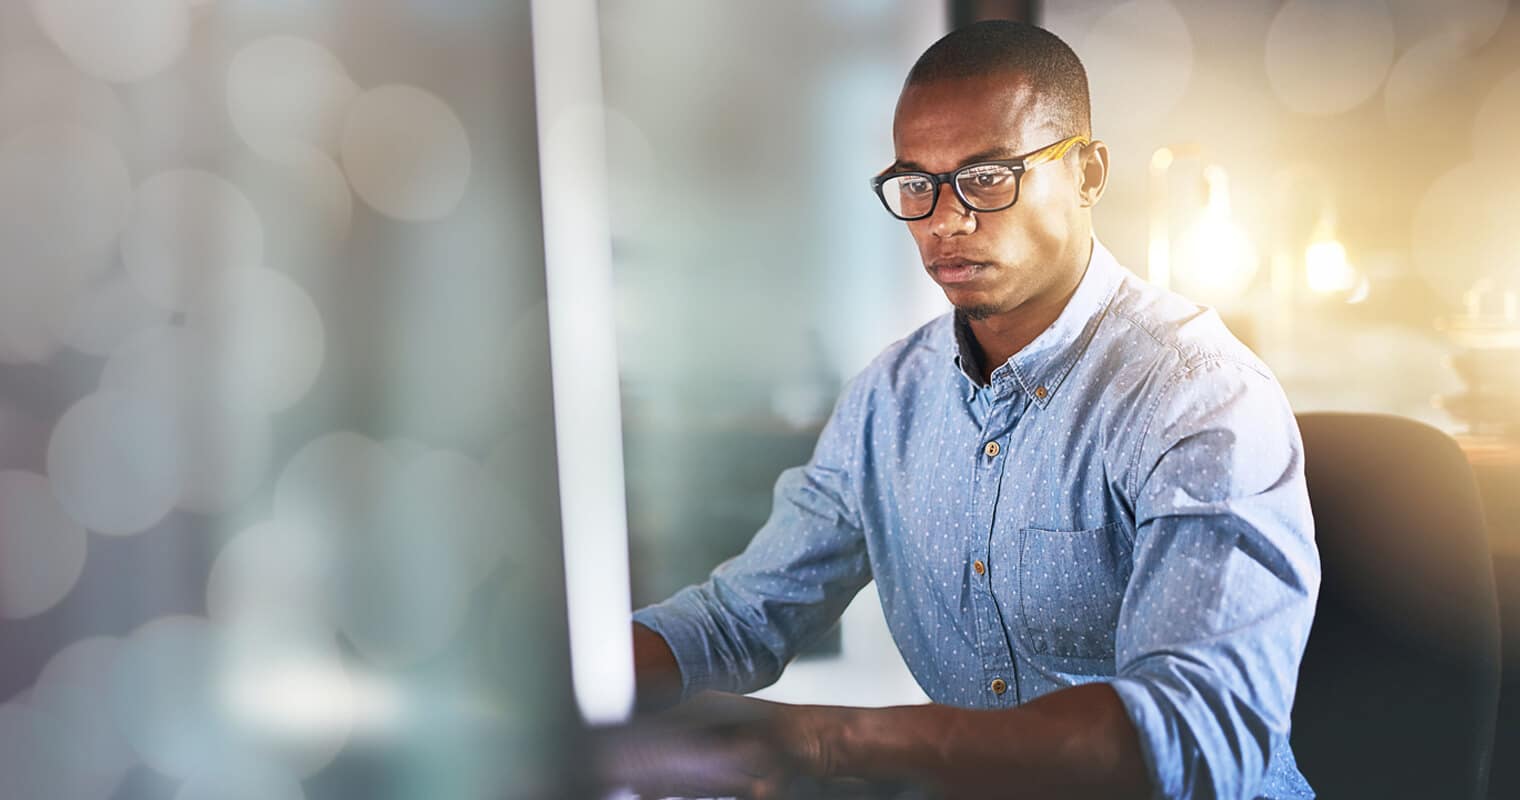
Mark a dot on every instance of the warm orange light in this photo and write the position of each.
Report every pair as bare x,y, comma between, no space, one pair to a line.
1326,268
1216,259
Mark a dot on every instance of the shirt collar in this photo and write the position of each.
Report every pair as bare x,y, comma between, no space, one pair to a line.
1040,367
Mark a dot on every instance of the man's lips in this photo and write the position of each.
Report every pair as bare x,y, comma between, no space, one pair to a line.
955,270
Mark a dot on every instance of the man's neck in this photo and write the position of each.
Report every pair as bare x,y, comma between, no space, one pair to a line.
1000,336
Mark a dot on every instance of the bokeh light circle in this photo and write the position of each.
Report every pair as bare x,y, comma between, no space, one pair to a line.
405,594
1426,72
165,698
78,671
277,574
1326,58
283,90
188,227
112,463
62,206
404,585
1496,128
334,486
39,85
266,333
107,313
42,549
406,153
1464,227
75,687
223,442
165,356
1139,56
1464,24
405,450
453,494
117,40
65,196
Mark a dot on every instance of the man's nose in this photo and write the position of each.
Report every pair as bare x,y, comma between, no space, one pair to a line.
951,217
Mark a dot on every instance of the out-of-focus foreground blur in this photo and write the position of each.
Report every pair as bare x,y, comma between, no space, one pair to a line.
278,514
280,490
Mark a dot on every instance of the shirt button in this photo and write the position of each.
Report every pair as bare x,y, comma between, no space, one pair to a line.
1041,392
991,449
999,686
978,567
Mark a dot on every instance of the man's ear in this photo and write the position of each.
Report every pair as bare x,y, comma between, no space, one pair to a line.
1092,175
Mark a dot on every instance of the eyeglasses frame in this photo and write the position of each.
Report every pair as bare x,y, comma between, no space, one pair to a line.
1051,152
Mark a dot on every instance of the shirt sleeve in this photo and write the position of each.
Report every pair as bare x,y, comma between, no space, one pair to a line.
736,631
1217,612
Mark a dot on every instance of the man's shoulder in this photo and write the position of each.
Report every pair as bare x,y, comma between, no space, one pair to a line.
1165,366
1169,333
906,373
925,349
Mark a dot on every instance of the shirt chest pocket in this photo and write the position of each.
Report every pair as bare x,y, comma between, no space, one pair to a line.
1070,587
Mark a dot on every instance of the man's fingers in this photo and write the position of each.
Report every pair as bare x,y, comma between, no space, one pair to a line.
768,789
716,709
659,761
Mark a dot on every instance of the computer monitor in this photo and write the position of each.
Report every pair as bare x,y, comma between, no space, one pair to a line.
279,491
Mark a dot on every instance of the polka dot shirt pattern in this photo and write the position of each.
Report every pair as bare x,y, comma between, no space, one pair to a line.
1123,502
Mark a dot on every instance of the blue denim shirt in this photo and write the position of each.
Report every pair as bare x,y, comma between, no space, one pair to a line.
1124,502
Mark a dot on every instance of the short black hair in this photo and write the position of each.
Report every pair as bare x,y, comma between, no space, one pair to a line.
1000,45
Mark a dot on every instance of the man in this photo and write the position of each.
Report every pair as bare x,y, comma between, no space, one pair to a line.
1081,498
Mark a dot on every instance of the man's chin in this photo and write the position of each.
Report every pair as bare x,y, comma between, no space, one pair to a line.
977,311
976,303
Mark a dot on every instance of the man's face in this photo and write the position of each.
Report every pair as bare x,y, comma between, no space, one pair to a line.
993,263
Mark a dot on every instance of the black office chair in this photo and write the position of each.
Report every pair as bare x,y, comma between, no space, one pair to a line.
1399,684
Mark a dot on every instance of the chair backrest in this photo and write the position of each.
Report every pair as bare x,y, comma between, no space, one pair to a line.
1399,684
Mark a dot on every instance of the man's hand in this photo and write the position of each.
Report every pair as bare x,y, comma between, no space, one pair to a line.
718,745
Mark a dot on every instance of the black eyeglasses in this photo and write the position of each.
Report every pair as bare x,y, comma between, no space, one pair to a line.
984,186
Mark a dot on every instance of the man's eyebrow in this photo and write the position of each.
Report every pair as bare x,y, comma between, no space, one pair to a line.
995,154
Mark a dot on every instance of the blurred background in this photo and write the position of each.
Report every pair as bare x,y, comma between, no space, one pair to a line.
279,486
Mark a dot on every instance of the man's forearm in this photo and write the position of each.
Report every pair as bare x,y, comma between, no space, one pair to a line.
657,675
1078,742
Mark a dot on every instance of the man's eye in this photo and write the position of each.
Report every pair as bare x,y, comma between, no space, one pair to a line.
916,186
989,178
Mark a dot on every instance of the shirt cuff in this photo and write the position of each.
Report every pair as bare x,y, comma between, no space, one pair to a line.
1158,737
686,641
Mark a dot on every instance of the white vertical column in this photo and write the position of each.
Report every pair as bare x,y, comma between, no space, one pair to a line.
582,346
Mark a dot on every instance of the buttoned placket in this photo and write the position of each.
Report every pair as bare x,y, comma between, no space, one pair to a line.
1000,405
